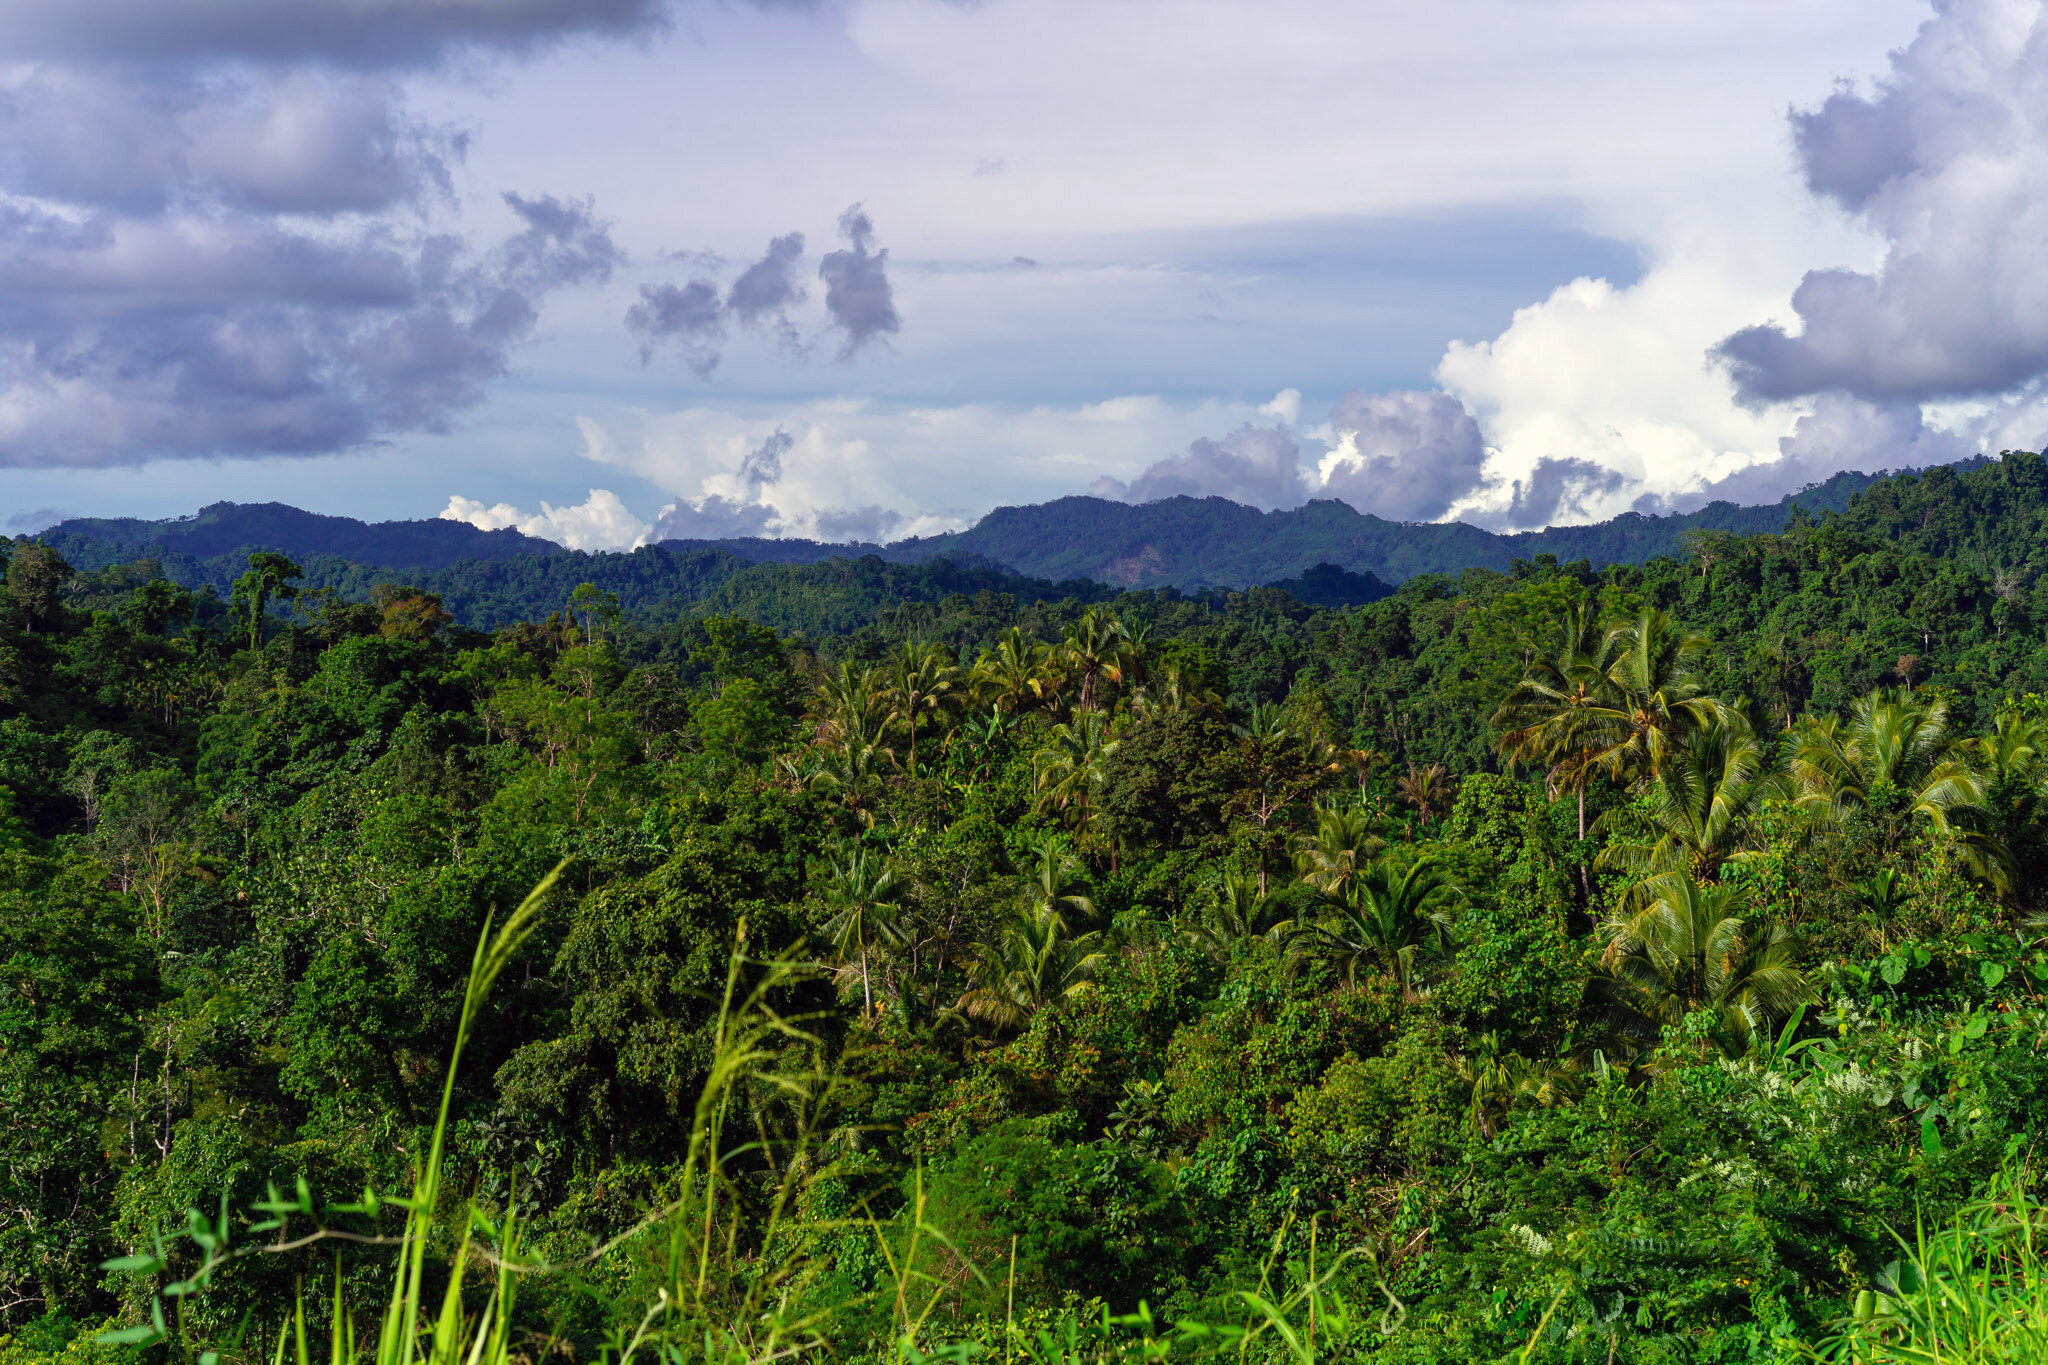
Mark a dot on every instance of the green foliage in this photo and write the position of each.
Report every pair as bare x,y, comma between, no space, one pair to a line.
1540,963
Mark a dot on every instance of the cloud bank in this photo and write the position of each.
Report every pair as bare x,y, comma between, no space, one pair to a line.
206,251
1942,158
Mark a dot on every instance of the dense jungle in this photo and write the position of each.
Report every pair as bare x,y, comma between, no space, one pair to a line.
1641,964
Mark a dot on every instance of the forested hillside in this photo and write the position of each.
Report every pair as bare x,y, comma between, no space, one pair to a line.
489,578
1557,963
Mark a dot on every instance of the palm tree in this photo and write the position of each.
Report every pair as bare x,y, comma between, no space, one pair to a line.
1386,920
854,772
861,891
1691,949
1561,712
1094,647
1012,676
1502,1084
1056,884
1069,770
1698,812
922,680
1263,724
853,704
1343,843
1233,909
1169,693
1032,963
1661,698
1891,762
1429,790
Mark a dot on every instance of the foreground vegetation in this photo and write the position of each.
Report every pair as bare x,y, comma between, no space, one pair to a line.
1549,966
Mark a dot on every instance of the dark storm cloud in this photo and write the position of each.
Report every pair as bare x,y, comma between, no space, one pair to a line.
127,339
143,143
1408,456
220,226
1941,159
1559,487
857,292
1257,466
359,33
688,316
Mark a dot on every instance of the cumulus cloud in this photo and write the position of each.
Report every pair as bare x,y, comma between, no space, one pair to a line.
600,522
1942,159
1841,433
731,513
1405,456
857,292
1257,466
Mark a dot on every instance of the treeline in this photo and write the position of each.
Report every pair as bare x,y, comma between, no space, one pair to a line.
1557,964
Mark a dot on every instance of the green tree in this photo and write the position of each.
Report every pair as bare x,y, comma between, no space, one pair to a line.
861,893
1393,921
1693,949
36,574
269,578
923,680
1698,812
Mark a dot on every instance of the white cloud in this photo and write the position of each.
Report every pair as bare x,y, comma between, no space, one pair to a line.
600,522
855,469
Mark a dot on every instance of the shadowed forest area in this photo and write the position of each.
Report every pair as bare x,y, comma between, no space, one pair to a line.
1641,964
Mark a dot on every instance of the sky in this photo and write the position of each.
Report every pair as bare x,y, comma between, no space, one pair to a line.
618,270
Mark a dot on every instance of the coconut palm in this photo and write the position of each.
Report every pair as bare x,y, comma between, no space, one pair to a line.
1698,812
1429,790
1387,920
852,705
923,681
861,890
1034,962
1342,843
1168,692
1650,667
1056,883
1094,648
1891,761
1263,724
1502,1084
1069,769
1612,700
1012,676
1562,713
854,773
1691,949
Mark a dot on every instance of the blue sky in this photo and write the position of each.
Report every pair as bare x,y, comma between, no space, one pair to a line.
1513,261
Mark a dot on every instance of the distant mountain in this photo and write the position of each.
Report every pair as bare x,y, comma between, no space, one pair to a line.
1325,554
1193,543
232,528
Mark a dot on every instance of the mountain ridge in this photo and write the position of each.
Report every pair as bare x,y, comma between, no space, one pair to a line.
1182,542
